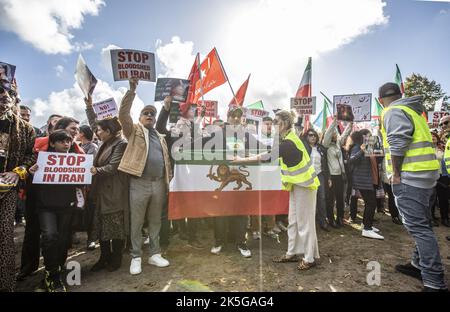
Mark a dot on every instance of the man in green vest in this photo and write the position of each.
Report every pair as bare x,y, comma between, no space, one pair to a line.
412,167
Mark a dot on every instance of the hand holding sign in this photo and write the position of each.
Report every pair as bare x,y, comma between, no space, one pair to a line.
133,84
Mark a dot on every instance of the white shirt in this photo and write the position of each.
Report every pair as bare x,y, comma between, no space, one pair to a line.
316,160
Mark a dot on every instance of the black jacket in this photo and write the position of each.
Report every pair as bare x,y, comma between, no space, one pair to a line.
323,157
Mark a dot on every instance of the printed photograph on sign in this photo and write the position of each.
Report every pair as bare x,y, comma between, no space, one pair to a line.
63,168
7,72
127,64
304,105
175,87
106,109
374,146
84,77
353,107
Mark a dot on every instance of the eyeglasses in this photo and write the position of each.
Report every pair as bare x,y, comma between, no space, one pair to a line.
148,113
444,123
311,135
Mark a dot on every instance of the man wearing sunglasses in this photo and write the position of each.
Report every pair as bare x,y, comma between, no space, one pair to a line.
146,159
16,155
412,167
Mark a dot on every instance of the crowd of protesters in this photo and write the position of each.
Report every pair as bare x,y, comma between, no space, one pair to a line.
325,173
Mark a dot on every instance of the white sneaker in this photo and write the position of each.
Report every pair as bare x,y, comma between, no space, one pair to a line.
281,226
158,261
256,235
245,252
216,250
135,266
375,229
147,240
276,229
371,234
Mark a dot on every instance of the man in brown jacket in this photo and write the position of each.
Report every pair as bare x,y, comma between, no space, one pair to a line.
146,159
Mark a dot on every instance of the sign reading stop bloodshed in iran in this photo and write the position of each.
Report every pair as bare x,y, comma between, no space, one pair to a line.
128,64
304,105
63,168
435,117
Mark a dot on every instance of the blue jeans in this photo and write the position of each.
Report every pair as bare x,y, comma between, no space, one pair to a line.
414,207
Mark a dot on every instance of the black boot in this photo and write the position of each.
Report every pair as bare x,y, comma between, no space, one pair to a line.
116,256
105,256
53,281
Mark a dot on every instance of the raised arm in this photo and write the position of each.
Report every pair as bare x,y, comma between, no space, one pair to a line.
345,134
329,133
125,109
90,113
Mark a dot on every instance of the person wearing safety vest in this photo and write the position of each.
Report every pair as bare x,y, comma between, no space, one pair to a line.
412,167
300,179
444,181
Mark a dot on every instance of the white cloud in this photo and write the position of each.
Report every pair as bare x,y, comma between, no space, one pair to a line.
46,24
70,102
175,57
106,57
59,70
82,46
272,40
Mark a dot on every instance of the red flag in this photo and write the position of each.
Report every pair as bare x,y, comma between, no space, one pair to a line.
193,77
305,90
212,75
240,95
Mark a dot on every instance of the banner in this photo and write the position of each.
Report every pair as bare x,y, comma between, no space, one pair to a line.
435,117
106,109
304,105
222,189
85,78
7,72
353,107
63,168
128,64
177,88
211,108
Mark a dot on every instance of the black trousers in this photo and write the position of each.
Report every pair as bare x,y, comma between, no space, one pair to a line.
237,226
336,195
56,232
391,200
31,248
370,204
442,197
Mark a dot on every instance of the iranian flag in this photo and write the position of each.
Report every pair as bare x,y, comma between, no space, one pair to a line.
399,80
378,110
256,105
305,89
217,188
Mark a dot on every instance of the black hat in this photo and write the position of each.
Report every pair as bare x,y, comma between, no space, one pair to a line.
389,89
298,123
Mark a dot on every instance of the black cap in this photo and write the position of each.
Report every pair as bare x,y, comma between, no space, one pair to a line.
389,89
298,123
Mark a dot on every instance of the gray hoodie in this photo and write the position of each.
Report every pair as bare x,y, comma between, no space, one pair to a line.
399,131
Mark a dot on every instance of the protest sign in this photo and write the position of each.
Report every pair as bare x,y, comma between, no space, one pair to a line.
353,107
211,108
177,88
63,168
7,72
255,114
304,105
84,77
106,109
127,64
374,146
435,117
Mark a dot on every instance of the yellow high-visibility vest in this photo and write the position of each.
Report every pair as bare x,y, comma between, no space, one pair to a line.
447,154
420,155
302,174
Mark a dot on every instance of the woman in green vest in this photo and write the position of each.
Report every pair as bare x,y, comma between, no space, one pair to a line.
300,179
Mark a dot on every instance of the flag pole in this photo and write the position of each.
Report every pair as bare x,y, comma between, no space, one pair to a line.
226,76
197,60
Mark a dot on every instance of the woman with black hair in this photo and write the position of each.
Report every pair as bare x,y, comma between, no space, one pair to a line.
363,181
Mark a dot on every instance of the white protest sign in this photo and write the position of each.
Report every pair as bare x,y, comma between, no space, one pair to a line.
353,107
105,109
304,105
128,64
63,168
84,77
435,117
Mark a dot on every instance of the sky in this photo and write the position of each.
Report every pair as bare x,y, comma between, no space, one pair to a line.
354,45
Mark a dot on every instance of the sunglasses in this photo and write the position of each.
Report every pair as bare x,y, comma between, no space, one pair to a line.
311,135
10,92
444,123
149,113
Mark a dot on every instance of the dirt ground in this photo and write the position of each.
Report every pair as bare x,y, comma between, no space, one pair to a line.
343,265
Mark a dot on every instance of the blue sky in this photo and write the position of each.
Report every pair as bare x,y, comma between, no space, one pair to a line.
249,38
